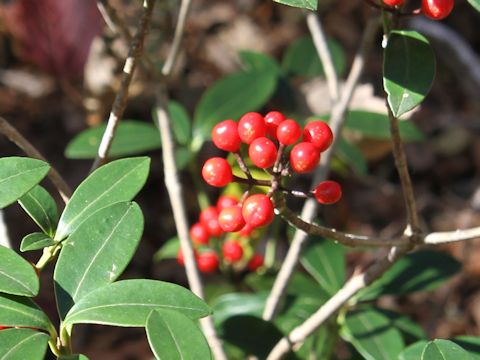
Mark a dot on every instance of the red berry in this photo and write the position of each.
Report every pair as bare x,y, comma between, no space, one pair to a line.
217,172
180,258
304,157
225,136
328,192
231,219
225,201
4,327
319,134
262,152
393,2
288,132
246,230
251,126
199,234
255,262
437,9
272,120
232,251
209,219
257,210
207,262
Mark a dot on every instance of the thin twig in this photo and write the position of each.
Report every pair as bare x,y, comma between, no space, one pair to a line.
351,287
120,102
324,53
10,132
310,207
444,237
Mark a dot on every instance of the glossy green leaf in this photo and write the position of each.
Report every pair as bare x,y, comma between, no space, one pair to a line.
377,126
303,4
97,252
22,344
18,175
471,344
352,156
408,70
414,351
372,334
301,58
131,138
17,275
295,311
440,349
325,261
255,61
22,311
173,336
229,98
404,324
73,357
169,250
129,302
36,241
475,4
234,304
422,270
181,123
41,207
117,181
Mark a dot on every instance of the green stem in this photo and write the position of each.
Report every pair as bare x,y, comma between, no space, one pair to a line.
65,340
49,253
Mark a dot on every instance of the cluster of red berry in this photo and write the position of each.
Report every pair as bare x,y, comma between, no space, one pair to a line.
209,233
434,9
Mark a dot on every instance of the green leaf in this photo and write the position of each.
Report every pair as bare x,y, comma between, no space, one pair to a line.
377,126
301,58
97,252
181,123
117,181
129,302
352,156
22,311
372,334
325,261
73,357
408,70
183,156
422,270
471,344
229,98
18,175
21,344
41,207
475,4
36,241
234,304
131,138
414,351
440,349
255,61
172,336
303,4
404,324
17,275
169,250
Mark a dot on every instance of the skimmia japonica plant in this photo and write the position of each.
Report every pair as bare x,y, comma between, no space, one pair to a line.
257,301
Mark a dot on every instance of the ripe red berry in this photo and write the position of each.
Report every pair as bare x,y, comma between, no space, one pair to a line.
288,132
207,262
272,120
225,201
199,234
231,219
393,2
217,172
257,210
319,134
225,136
180,258
251,126
232,251
255,262
246,230
437,9
3,327
328,192
304,157
262,152
209,219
